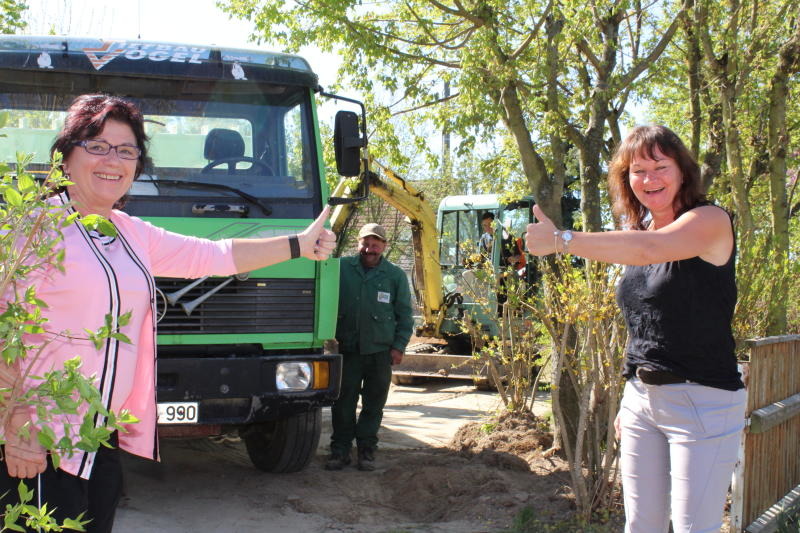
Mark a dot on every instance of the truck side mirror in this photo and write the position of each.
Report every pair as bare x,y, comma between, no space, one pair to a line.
347,143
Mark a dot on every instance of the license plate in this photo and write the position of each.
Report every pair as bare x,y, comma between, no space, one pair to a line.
177,413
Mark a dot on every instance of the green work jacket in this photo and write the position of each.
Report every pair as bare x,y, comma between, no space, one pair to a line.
374,307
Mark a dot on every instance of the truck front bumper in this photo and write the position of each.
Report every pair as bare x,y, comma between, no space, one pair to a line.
243,390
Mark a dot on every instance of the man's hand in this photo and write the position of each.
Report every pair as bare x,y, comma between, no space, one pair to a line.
24,458
397,356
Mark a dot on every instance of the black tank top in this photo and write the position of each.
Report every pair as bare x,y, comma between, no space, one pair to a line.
679,320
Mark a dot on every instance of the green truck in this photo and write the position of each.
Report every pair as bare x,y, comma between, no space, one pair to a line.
236,152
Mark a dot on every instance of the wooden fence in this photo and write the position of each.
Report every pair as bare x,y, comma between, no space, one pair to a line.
767,478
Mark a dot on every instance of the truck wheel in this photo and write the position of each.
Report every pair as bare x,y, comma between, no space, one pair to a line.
285,445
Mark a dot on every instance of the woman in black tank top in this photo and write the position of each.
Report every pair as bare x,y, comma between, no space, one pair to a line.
682,412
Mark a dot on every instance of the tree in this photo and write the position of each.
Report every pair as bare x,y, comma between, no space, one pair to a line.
553,80
11,12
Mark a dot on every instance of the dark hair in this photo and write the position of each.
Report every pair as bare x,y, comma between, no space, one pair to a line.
487,214
86,118
642,141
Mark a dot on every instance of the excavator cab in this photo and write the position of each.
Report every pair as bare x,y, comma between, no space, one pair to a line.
481,243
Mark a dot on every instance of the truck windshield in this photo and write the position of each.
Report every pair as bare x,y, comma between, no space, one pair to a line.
252,139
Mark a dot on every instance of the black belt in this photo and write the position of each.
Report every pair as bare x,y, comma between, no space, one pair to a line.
658,377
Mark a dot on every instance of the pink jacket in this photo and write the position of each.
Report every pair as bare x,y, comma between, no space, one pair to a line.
115,278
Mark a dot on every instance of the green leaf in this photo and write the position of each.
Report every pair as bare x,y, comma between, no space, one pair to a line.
10,522
25,494
100,224
125,319
46,437
25,182
107,228
75,524
12,197
23,160
121,337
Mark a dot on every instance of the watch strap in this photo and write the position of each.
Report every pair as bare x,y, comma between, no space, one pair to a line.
294,246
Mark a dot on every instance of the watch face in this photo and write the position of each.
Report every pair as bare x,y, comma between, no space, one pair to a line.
566,236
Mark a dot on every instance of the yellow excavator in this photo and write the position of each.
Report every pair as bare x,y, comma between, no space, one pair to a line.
443,279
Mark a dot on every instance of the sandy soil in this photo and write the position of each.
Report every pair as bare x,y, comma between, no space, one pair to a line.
479,481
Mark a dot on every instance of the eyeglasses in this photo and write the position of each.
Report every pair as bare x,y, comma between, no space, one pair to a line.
124,151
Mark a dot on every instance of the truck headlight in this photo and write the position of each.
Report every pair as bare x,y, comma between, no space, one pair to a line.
293,376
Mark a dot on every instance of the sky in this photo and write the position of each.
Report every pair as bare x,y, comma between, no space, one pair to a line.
198,22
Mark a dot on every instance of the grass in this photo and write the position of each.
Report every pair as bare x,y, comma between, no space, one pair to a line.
528,522
789,521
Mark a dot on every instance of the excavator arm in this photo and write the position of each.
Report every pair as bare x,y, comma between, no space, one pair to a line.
401,195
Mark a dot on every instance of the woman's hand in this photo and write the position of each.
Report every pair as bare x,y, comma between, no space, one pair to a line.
316,242
540,237
24,458
617,430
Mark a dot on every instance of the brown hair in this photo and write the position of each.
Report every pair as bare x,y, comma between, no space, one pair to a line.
643,140
86,118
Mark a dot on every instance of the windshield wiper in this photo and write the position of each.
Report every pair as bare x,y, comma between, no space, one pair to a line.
201,185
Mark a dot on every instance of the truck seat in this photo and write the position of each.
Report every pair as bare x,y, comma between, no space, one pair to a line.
223,143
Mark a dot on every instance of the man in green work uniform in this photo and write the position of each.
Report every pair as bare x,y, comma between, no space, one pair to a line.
374,326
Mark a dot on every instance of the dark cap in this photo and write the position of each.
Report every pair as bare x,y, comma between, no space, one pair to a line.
375,230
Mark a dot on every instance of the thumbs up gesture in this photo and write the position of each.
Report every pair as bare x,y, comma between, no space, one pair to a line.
540,237
316,242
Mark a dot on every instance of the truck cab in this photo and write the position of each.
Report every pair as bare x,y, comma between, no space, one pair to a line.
235,152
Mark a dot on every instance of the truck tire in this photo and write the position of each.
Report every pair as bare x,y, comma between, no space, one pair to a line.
285,445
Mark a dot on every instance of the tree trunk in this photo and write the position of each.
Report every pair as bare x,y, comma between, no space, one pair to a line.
694,58
733,145
545,193
558,148
778,140
711,162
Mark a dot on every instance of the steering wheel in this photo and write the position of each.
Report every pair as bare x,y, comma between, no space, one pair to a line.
231,161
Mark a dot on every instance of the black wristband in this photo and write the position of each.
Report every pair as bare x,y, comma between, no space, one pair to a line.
294,246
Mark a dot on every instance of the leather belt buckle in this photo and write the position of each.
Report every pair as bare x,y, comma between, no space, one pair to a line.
658,377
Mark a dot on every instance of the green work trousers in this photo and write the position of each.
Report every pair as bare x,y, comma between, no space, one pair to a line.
367,375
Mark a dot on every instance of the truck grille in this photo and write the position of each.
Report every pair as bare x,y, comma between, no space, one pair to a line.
249,306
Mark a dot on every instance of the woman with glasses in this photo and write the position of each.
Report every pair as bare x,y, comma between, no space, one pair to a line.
682,411
104,148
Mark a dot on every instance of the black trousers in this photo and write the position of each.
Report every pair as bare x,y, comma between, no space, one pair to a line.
70,495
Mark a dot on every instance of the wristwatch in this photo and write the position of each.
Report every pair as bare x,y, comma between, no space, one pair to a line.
566,237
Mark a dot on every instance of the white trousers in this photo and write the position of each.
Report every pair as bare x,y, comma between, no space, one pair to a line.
678,448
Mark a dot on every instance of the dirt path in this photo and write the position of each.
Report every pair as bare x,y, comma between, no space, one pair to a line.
420,485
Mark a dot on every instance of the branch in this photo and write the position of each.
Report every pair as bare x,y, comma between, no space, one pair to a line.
460,12
533,33
642,65
400,53
583,47
758,43
573,133
412,83
437,42
705,39
427,104
796,209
